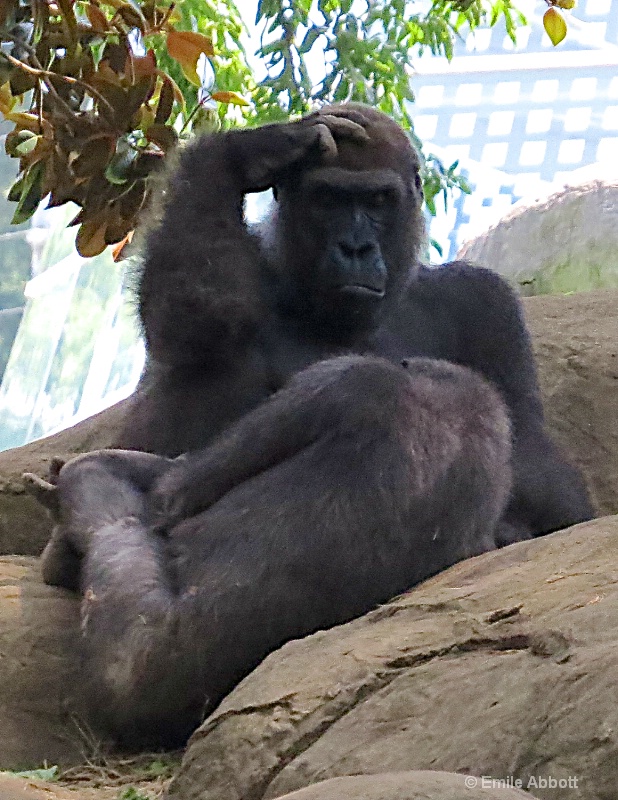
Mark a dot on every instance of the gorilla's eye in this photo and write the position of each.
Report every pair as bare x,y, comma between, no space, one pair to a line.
378,199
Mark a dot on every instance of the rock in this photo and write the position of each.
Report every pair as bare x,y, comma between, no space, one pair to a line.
419,785
24,524
16,788
503,666
39,669
565,243
575,341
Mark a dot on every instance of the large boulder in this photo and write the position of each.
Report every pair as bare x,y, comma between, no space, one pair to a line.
503,666
567,242
576,347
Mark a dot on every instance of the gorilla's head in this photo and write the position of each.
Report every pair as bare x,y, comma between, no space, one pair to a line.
349,229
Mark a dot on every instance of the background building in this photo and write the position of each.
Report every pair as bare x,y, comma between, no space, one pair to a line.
520,118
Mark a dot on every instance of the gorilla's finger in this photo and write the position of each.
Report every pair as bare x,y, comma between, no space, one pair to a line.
326,142
345,127
345,112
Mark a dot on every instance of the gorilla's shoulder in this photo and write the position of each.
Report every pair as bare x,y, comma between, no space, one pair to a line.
455,275
467,290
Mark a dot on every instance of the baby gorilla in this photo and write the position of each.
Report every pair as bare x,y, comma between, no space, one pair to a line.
352,483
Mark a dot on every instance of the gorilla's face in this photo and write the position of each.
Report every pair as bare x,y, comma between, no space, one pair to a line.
350,238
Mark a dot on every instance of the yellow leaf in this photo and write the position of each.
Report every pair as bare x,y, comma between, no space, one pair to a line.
146,117
230,97
568,4
90,239
25,121
188,43
554,25
7,101
186,47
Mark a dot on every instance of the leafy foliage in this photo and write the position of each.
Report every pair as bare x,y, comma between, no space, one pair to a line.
365,51
100,91
102,112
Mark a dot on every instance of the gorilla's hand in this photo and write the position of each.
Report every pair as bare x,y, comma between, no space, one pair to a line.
175,496
260,156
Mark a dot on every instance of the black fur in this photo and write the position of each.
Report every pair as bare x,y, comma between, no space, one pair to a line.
356,481
321,476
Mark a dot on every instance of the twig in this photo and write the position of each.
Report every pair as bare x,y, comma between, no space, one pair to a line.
45,75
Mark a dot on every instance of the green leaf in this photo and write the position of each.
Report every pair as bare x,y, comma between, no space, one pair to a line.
436,246
16,190
32,183
311,37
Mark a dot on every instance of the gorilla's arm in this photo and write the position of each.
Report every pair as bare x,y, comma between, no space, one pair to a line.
201,290
548,492
492,336
289,421
199,283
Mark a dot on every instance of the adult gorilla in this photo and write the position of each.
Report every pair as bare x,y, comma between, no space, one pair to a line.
352,422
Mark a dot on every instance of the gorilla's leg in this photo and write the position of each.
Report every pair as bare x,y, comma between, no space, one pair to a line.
349,486
92,490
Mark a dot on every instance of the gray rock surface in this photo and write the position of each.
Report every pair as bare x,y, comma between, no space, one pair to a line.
389,786
575,341
503,666
564,243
